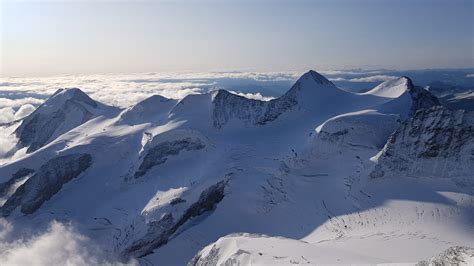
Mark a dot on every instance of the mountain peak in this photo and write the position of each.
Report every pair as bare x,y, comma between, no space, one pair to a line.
392,88
76,94
316,77
63,111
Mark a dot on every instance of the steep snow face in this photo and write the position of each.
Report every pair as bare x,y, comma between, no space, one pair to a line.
391,88
63,111
406,98
47,182
435,142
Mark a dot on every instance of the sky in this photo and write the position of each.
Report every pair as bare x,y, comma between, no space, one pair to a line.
40,38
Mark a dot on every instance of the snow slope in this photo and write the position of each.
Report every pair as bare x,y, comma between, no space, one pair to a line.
167,176
63,111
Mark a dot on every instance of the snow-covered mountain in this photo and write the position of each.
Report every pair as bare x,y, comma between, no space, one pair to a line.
318,175
63,111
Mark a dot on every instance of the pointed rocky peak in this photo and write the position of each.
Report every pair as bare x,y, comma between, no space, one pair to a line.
220,94
408,81
311,84
422,99
315,77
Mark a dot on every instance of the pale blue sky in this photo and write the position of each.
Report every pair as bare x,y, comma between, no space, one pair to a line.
61,37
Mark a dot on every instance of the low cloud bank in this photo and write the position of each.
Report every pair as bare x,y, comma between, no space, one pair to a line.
18,95
60,244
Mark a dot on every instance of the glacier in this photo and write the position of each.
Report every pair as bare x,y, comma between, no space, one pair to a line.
317,175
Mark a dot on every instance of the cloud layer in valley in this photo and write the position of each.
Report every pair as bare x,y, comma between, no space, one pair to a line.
20,95
60,244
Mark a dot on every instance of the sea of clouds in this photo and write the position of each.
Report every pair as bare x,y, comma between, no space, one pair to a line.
19,96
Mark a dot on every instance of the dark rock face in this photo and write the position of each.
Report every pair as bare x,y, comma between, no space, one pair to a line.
435,142
160,231
176,201
422,99
229,106
211,259
456,255
22,172
159,154
37,129
46,182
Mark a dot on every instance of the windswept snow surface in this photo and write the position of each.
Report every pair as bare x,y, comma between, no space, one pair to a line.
292,175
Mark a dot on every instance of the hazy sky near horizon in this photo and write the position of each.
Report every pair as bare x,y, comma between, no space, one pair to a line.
79,37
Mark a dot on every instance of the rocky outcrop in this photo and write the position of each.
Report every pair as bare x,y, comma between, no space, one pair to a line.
435,142
159,154
160,231
17,176
229,106
421,98
47,181
452,256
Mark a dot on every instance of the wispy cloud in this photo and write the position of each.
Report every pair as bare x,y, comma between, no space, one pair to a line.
376,78
60,244
255,96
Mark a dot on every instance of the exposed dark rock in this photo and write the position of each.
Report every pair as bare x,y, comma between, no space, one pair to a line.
22,172
229,106
177,201
49,118
159,154
456,255
160,231
210,259
422,99
434,142
46,182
